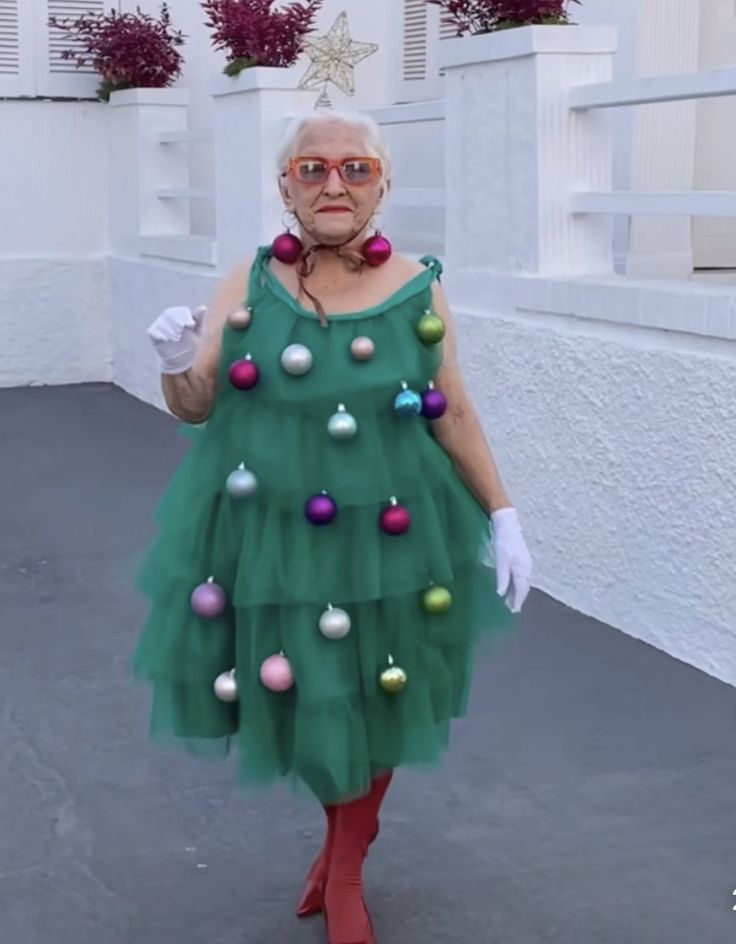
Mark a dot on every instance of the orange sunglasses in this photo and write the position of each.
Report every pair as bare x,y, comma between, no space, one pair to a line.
354,171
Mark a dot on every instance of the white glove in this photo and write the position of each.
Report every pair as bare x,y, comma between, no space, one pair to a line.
175,335
513,560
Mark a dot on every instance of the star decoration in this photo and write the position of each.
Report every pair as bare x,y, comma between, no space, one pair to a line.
334,57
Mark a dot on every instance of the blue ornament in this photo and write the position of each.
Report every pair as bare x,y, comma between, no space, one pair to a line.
407,403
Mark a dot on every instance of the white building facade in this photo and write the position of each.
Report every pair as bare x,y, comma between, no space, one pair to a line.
571,203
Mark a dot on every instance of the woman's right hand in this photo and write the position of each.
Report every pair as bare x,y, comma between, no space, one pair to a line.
175,336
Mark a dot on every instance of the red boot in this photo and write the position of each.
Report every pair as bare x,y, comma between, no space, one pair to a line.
348,921
313,896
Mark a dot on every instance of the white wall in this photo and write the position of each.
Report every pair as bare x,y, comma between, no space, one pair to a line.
619,446
53,274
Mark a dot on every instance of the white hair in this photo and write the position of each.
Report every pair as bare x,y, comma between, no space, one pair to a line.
374,141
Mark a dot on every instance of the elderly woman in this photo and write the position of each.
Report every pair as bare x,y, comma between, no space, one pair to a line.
320,578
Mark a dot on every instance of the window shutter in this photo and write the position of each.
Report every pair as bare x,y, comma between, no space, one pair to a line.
10,58
415,40
420,73
57,76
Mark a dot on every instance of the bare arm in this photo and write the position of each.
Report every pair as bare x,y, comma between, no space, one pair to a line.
190,395
459,430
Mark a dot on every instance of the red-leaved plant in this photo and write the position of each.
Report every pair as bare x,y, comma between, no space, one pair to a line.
487,16
254,34
128,50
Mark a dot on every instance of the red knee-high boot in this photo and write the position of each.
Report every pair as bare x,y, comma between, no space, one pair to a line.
313,896
348,921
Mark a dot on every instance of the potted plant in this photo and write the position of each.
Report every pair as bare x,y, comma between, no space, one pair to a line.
474,17
254,34
127,50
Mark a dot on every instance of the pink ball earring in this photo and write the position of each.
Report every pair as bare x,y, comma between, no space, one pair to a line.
287,248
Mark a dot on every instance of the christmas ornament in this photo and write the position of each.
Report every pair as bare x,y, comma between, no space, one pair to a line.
395,519
342,425
434,403
362,348
208,600
430,328
321,509
241,483
436,600
276,673
408,402
297,360
334,623
287,248
226,687
244,374
376,250
333,59
240,319
394,678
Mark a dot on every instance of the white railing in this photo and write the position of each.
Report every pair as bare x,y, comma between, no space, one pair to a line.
647,91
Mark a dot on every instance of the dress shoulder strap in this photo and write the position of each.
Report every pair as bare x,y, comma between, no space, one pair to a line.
434,266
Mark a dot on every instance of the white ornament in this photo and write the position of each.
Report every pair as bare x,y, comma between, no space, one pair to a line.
342,425
297,360
226,686
241,483
334,623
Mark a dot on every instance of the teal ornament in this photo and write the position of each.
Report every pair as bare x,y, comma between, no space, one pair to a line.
342,425
408,403
241,483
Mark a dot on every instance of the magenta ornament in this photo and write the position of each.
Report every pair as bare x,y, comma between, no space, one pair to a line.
208,600
276,673
320,509
395,519
434,403
377,250
244,374
287,248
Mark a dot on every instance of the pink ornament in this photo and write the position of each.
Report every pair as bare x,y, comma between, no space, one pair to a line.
244,374
434,403
208,600
395,519
377,250
362,348
276,673
287,248
320,509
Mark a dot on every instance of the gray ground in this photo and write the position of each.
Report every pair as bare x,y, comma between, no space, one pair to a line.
589,799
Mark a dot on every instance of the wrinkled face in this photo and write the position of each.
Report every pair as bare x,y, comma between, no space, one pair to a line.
333,202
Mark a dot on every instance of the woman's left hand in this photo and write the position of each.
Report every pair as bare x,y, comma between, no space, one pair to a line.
513,560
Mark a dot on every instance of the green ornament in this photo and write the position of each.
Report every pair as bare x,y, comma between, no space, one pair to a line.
437,600
430,328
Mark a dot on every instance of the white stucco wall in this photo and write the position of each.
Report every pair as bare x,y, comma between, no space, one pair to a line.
619,447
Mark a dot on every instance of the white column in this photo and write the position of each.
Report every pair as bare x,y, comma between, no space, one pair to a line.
251,113
515,151
140,166
663,152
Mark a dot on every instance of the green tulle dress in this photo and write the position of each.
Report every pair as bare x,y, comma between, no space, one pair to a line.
337,725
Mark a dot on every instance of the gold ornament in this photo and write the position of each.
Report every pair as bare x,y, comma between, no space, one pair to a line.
394,678
333,59
437,600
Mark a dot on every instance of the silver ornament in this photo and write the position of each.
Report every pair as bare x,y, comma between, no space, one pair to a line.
226,686
362,348
297,360
241,483
342,425
334,623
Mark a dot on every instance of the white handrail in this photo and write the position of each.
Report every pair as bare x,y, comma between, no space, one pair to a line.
656,203
658,88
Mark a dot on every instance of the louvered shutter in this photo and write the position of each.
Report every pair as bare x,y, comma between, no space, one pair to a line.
56,76
422,31
16,63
